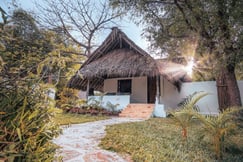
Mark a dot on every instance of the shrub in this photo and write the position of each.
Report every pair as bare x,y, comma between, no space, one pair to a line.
68,98
27,126
183,117
219,129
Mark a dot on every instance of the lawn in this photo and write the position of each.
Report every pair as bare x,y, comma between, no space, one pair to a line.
72,118
160,140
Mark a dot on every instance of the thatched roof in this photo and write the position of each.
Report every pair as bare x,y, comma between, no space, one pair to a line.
120,63
115,40
118,56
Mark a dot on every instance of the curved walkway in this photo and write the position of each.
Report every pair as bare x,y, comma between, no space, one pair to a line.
79,142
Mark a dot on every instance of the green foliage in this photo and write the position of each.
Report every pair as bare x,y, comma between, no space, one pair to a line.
99,104
158,140
112,107
26,111
205,68
190,102
69,98
27,126
219,128
183,117
204,27
152,140
93,102
239,71
212,27
60,62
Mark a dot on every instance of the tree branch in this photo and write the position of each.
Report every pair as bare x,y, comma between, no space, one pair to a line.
184,16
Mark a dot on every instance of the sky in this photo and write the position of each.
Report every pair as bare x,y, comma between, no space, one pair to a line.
129,28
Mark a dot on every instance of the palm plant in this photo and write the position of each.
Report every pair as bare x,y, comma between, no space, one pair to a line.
218,128
184,115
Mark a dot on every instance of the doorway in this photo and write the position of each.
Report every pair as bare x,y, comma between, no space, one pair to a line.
151,81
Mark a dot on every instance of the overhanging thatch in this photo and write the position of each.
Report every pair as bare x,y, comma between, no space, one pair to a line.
120,63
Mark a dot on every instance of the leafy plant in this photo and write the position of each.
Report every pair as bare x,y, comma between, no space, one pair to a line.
69,98
112,107
219,128
26,111
183,117
26,126
96,103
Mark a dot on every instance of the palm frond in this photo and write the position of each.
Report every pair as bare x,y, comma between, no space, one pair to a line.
191,100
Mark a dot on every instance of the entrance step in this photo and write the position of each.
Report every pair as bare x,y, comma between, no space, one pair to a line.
143,111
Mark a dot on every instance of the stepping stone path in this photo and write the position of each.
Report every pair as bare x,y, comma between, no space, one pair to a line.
79,142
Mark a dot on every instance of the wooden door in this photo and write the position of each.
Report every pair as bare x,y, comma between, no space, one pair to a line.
151,85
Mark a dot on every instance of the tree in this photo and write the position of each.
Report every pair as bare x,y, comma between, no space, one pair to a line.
79,20
215,26
26,123
28,55
24,46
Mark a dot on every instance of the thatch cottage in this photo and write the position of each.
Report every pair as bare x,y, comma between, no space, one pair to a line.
127,74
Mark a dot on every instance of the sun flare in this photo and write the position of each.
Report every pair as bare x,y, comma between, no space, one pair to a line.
189,66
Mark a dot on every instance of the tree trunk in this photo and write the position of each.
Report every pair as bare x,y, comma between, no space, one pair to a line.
50,78
233,89
227,88
222,91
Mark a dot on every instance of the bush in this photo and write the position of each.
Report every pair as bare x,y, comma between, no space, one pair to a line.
68,98
27,126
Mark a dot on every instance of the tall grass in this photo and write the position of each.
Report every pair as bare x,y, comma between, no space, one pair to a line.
211,138
27,126
160,140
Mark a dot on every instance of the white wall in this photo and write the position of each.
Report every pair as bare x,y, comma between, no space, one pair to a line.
207,105
139,88
118,101
240,84
110,85
169,95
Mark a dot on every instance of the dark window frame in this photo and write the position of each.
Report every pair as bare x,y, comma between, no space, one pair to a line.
124,86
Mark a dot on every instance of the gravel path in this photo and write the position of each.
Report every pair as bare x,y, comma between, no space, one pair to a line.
79,142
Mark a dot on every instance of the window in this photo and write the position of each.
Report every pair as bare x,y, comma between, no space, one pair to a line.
124,86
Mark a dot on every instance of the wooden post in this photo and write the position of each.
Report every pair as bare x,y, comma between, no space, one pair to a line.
87,90
222,92
50,78
157,88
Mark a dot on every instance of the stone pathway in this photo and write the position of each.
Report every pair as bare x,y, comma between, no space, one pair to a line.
79,142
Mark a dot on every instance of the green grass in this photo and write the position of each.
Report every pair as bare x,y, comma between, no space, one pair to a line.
160,140
68,118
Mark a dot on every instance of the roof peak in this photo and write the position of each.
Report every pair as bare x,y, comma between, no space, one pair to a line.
115,40
115,28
